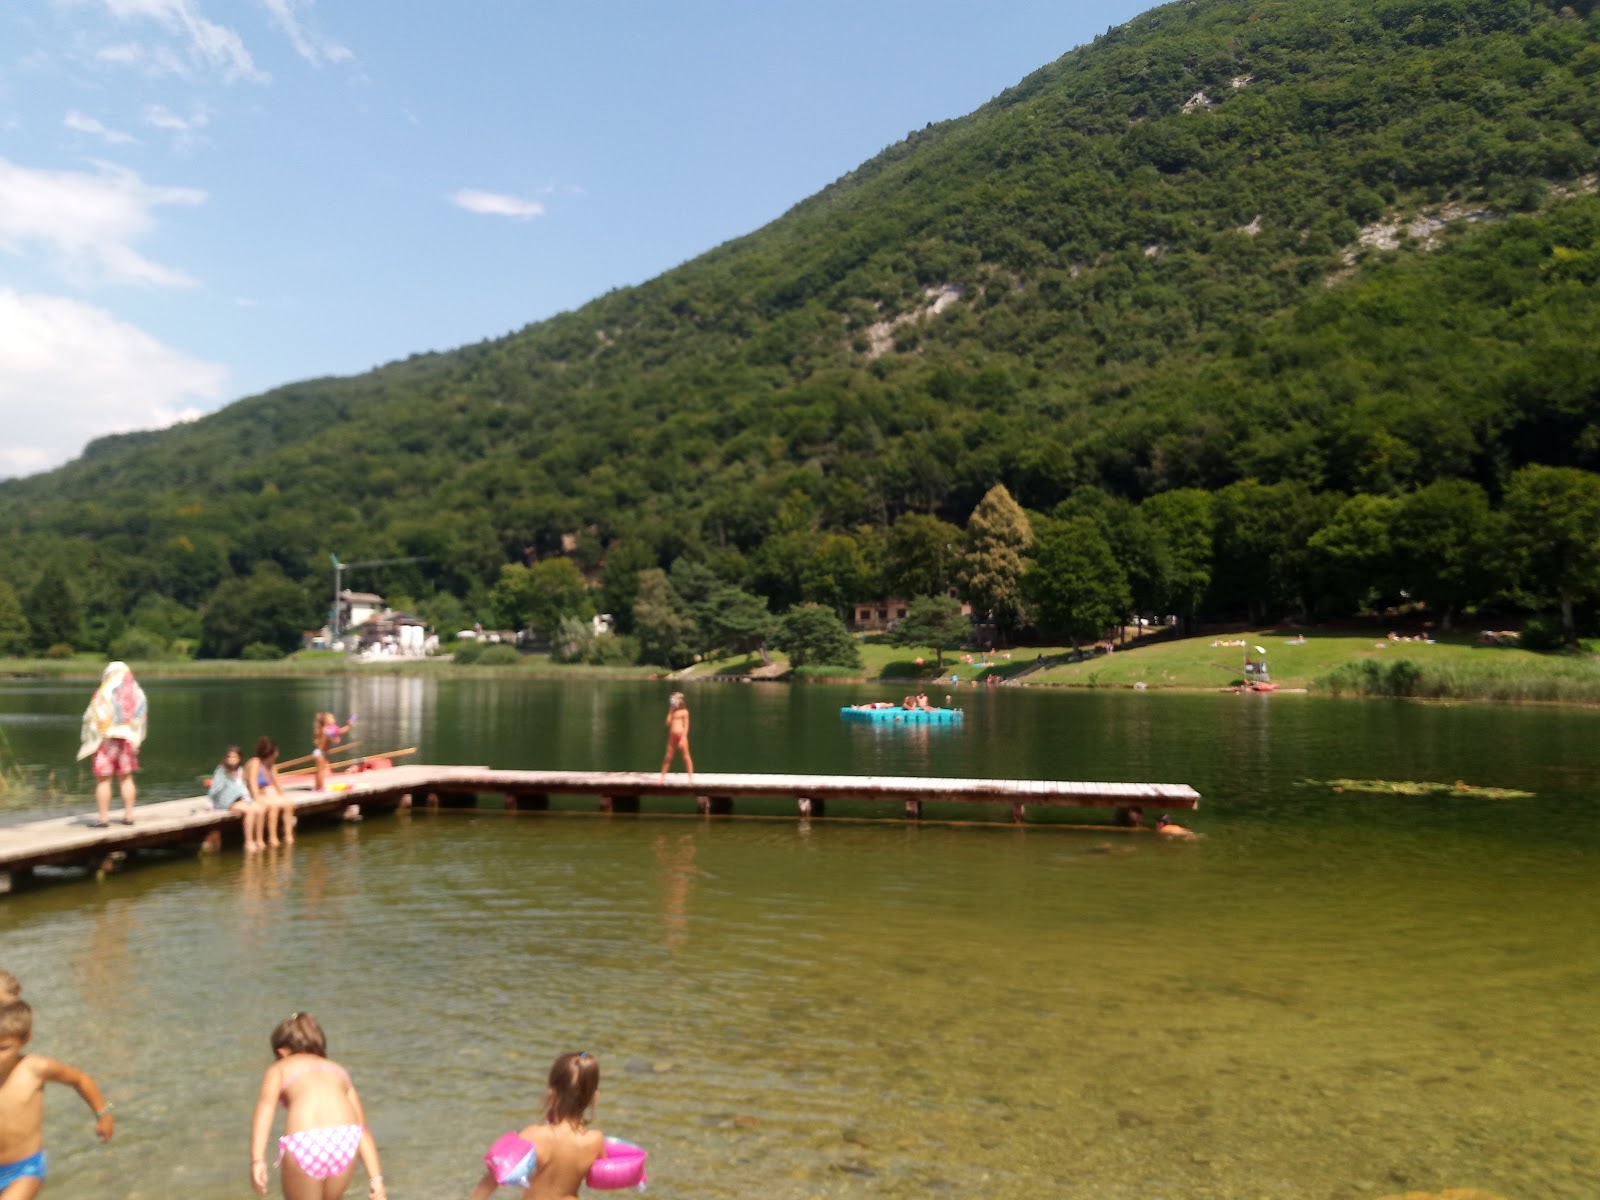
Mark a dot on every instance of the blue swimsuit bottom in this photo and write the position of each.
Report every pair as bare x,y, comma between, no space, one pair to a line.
31,1167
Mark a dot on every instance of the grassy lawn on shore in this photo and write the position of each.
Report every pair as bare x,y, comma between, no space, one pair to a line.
1455,667
882,660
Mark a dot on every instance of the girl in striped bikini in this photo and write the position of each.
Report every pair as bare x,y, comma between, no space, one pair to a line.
324,1128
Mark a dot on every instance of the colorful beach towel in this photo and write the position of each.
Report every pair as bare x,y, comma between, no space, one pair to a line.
117,711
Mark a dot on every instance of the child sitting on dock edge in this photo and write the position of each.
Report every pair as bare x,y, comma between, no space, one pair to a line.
229,793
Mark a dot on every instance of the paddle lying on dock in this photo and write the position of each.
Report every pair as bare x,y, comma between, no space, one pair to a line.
305,758
348,763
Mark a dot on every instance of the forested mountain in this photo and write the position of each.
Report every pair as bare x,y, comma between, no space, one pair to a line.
1328,248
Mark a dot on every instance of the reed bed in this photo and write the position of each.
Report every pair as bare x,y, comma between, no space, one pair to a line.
1552,679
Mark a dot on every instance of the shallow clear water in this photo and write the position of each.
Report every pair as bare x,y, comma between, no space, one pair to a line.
1331,995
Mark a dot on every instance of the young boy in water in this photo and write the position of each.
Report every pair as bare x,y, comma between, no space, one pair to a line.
1166,826
22,1080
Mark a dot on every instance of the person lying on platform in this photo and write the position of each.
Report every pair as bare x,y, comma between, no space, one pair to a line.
1166,825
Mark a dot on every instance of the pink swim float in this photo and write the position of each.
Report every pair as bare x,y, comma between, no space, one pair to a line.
622,1167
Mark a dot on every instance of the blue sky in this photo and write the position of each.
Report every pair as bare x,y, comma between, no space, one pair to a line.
203,199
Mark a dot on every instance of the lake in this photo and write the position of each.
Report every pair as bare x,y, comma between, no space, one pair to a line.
1332,995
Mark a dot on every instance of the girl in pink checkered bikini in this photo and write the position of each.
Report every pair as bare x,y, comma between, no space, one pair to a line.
324,1128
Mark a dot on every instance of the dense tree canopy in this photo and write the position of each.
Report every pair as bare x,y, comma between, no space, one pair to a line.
1266,258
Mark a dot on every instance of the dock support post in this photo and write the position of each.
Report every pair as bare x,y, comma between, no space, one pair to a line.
452,800
813,808
913,809
702,805
405,800
1017,812
620,804
509,801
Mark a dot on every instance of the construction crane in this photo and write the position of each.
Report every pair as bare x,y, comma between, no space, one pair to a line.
339,568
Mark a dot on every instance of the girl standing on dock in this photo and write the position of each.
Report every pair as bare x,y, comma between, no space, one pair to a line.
325,732
261,777
677,735
324,1128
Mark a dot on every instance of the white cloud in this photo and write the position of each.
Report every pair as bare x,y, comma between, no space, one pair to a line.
187,132
127,53
160,116
205,44
308,44
80,123
88,221
91,374
496,204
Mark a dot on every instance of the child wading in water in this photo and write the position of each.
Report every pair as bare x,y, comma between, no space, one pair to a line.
677,735
564,1145
325,732
324,1128
22,1080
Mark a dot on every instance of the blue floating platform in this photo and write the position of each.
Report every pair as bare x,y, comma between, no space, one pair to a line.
903,716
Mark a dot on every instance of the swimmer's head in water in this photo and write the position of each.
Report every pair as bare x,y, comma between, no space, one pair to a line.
574,1080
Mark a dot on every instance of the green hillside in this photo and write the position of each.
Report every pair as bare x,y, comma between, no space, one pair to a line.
1322,248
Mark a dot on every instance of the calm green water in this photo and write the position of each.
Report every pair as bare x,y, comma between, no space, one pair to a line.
1330,996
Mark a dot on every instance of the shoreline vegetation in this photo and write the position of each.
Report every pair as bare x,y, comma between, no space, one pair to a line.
1343,663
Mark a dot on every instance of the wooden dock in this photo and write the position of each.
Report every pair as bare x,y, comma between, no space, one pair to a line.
68,841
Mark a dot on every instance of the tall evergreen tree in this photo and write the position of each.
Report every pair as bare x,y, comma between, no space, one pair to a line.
54,610
994,557
14,629
661,621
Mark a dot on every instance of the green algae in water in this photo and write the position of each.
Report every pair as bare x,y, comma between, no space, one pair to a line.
1414,787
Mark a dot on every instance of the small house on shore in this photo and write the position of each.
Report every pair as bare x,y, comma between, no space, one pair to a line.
881,615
